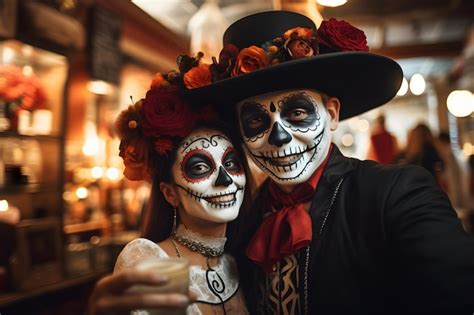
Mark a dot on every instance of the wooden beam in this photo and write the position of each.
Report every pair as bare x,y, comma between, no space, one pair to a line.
448,49
400,9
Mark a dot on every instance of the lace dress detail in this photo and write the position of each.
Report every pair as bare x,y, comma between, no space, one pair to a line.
141,248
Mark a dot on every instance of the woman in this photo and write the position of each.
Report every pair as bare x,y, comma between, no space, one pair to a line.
421,150
198,186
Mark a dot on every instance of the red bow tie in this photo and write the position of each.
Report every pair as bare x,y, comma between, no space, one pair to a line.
287,230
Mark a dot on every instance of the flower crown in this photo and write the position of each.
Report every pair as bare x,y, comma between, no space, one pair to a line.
154,124
296,43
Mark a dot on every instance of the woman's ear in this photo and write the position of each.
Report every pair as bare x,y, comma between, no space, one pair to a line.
333,106
169,193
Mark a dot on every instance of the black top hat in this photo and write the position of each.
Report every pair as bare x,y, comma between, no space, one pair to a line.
361,80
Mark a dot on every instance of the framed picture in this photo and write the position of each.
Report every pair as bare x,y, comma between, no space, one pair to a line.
38,256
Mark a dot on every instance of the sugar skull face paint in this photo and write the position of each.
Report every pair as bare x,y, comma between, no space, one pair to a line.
287,133
209,176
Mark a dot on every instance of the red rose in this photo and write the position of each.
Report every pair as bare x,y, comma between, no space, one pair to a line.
164,112
134,153
334,35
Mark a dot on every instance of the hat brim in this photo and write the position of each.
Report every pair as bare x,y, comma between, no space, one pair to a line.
361,81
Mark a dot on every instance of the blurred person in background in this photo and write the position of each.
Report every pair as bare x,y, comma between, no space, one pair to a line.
421,150
383,145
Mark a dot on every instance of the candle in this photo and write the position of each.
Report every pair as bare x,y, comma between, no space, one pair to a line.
9,214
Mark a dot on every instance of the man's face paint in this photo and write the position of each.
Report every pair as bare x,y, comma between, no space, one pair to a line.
209,176
287,133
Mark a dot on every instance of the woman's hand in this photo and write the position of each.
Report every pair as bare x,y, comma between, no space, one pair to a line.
110,295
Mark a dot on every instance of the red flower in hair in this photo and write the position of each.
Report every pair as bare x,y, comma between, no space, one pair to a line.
164,112
334,35
163,145
134,153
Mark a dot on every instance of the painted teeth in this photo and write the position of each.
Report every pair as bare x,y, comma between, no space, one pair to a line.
285,160
221,199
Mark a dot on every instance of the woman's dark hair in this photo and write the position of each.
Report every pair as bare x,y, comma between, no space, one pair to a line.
157,221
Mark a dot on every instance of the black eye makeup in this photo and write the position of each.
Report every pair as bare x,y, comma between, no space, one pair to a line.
254,119
299,110
197,165
231,162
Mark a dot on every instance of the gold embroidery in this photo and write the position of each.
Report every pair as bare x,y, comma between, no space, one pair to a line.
280,289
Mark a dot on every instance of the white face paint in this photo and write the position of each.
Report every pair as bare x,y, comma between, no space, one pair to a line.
287,133
209,176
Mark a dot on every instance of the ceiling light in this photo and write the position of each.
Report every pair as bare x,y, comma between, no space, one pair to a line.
403,88
99,87
331,3
417,84
460,103
347,140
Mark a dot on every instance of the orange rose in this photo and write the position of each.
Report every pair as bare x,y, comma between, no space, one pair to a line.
249,60
134,153
299,48
300,31
198,76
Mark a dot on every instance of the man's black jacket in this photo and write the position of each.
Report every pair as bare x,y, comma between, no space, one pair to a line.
390,243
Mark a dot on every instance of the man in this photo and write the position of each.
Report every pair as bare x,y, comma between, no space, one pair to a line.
330,234
383,145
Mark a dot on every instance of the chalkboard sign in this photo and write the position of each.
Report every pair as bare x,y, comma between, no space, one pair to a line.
105,57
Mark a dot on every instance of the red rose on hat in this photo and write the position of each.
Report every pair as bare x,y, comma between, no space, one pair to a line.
249,60
334,35
164,112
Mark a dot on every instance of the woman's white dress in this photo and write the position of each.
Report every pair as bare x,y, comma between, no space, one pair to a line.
142,248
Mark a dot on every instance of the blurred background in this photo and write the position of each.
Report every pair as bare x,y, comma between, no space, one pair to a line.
68,67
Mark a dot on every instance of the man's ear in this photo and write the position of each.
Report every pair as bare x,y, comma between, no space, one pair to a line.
169,192
333,106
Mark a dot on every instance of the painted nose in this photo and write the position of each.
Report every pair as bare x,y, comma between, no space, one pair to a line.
223,179
278,136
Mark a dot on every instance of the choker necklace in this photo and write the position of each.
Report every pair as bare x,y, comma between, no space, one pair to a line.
205,245
208,247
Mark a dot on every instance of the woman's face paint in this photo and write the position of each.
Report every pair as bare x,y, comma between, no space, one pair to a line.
209,176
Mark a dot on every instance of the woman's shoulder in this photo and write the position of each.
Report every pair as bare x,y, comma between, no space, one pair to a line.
137,250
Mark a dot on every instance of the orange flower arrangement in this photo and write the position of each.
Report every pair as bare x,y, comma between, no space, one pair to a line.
299,31
198,76
250,59
155,124
135,155
27,90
